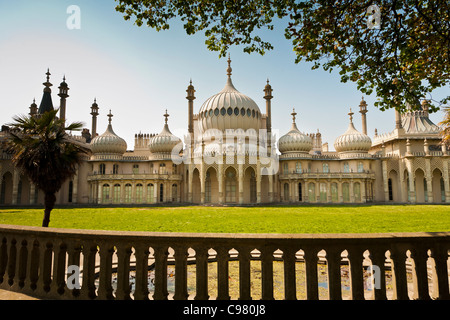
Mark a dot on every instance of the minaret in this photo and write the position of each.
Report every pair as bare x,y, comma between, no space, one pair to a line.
191,97
363,111
268,96
46,102
33,108
63,94
94,113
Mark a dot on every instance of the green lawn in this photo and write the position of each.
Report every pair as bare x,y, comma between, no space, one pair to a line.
270,219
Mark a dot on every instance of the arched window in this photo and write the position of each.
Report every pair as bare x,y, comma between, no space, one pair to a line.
128,193
174,192
357,191
208,188
323,192
115,169
70,192
346,167
230,187
334,192
346,192
116,193
139,190
391,193
150,193
298,167
360,167
105,193
253,188
286,192
102,168
325,168
300,193
312,192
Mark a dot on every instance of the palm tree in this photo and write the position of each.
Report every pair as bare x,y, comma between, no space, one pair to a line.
445,126
43,151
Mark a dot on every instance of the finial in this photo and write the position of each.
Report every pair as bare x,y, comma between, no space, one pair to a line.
64,78
190,82
166,115
229,70
48,74
110,116
267,80
293,115
351,115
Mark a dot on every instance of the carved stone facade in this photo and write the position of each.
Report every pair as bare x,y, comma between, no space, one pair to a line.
230,156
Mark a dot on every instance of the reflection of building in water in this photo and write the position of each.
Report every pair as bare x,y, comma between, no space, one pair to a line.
230,156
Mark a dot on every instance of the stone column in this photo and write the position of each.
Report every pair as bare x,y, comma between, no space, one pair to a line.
429,179
270,188
352,192
202,182
340,196
75,188
258,182
411,178
99,194
241,182
32,192
446,179
190,183
220,181
16,178
385,180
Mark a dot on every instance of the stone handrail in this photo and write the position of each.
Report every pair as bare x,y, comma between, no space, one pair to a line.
34,261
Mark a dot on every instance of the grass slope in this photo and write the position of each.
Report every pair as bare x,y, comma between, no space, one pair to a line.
270,219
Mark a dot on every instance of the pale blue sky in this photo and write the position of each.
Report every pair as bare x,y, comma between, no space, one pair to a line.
138,73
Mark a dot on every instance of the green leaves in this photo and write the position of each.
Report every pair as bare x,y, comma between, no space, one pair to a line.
402,61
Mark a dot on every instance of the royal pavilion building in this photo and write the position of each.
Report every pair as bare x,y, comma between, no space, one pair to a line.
230,155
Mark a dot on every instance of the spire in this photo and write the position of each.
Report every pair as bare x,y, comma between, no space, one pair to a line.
46,102
293,115
110,115
166,115
351,115
229,70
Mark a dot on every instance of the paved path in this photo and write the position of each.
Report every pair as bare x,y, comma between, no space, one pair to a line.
9,295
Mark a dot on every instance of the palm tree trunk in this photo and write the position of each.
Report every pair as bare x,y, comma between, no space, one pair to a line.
49,203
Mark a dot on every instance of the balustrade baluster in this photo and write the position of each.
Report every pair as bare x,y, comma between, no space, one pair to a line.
123,272
244,274
45,267
267,273
88,282
141,253
290,290
105,290
312,285
11,269
32,273
3,259
73,259
223,257
420,257
161,254
21,266
201,257
334,273
440,256
355,258
398,258
378,257
59,270
181,255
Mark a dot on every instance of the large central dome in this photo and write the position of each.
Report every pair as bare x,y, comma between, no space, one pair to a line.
229,109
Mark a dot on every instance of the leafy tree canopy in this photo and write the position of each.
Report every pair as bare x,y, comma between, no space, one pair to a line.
398,49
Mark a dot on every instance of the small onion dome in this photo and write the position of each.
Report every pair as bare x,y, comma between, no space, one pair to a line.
294,140
165,141
109,142
352,141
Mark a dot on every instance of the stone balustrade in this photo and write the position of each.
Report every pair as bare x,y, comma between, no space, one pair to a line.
34,261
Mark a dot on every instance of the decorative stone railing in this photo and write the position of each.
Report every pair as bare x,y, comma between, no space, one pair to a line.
34,261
